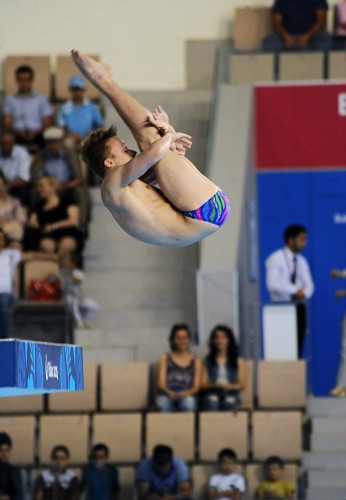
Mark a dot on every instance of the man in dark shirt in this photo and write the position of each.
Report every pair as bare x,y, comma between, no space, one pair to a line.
298,24
10,480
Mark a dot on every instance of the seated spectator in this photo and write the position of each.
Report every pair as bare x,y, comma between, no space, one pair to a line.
340,25
274,486
83,309
339,391
53,223
15,166
100,480
57,161
298,24
78,116
179,373
59,482
12,216
227,483
223,371
163,476
10,479
27,113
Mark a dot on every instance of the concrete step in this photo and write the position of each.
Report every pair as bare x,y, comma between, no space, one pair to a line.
324,407
314,460
328,442
325,494
327,479
328,425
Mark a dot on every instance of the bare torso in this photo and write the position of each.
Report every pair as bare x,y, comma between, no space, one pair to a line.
144,213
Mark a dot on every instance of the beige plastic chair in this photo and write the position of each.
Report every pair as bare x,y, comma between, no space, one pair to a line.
301,66
224,429
176,430
124,386
42,72
77,401
38,270
69,430
23,404
127,481
22,430
277,433
282,384
251,68
122,433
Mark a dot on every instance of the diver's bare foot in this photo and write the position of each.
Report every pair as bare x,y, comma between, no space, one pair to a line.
99,74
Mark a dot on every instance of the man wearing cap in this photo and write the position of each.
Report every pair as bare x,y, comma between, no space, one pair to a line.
78,116
10,479
27,113
163,476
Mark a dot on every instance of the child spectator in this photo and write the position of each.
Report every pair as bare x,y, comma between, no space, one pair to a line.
59,481
83,309
100,479
227,483
274,486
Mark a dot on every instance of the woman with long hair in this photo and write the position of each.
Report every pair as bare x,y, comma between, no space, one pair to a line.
223,377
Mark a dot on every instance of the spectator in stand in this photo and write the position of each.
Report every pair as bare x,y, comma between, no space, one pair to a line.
12,216
227,483
57,161
15,166
179,373
274,486
100,480
59,482
163,476
83,309
78,116
53,223
26,112
223,371
298,24
10,480
339,391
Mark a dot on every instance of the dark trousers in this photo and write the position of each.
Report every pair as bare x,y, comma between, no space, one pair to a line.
6,304
302,324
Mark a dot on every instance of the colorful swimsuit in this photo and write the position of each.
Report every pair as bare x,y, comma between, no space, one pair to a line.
215,210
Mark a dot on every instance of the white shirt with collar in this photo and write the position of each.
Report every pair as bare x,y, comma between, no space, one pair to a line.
16,165
279,268
9,259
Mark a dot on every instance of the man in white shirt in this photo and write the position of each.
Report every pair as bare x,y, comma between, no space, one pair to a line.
9,259
15,166
288,276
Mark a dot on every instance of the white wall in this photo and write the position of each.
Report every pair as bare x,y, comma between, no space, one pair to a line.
143,40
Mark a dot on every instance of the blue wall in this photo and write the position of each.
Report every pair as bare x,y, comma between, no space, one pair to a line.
318,201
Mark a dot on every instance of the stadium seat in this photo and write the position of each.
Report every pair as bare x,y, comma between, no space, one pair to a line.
38,270
301,66
69,430
122,433
337,65
254,476
22,404
65,68
78,401
251,68
277,433
41,67
22,431
200,474
251,25
282,384
172,429
124,386
247,395
127,481
219,430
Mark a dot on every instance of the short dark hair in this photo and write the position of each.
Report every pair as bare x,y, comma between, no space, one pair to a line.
94,150
274,460
227,453
24,69
162,455
59,448
5,438
175,328
293,231
100,447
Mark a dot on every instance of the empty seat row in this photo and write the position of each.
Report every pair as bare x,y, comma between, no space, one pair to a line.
127,386
64,69
130,435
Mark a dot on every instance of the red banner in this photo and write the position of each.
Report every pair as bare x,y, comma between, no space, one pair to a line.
300,126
